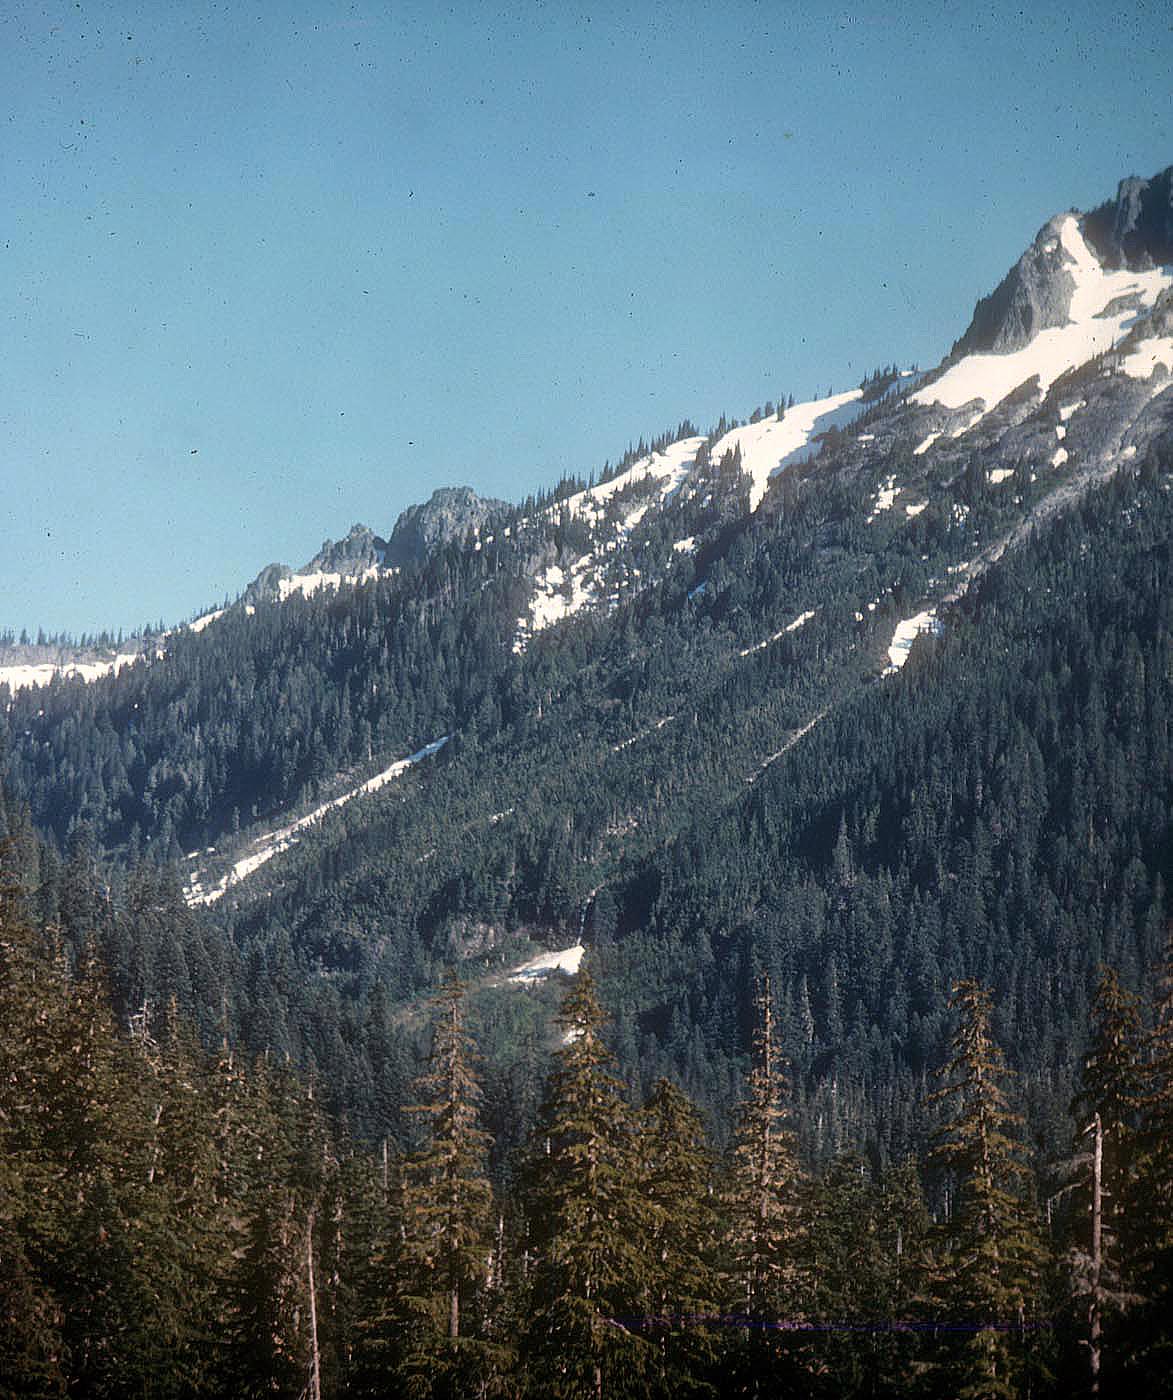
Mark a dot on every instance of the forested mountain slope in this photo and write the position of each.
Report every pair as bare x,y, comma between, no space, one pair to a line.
678,725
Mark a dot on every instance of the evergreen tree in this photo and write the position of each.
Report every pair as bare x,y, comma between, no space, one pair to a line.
1105,1112
993,1255
589,1223
1149,1338
447,1209
676,1178
762,1202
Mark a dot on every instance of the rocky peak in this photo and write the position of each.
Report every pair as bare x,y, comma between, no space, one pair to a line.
1034,295
1135,229
449,515
358,551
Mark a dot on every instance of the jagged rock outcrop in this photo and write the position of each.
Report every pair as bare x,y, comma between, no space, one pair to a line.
266,584
361,549
449,515
1034,295
1136,228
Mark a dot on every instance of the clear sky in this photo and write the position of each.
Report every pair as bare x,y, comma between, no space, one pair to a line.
271,269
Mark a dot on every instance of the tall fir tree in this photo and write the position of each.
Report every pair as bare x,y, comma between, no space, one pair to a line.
1105,1112
763,1204
447,1209
589,1223
683,1300
1150,1206
993,1254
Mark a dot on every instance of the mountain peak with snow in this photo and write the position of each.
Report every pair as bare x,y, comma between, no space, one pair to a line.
1035,295
1070,256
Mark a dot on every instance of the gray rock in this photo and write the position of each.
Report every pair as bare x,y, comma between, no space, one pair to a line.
358,551
1136,228
1034,295
264,586
449,515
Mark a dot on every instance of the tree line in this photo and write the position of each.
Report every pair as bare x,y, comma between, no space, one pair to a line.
179,1221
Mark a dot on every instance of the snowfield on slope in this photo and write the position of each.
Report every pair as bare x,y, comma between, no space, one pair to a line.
772,444
309,584
1093,326
274,842
567,961
767,447
43,672
906,633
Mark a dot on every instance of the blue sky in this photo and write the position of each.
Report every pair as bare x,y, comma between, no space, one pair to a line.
267,271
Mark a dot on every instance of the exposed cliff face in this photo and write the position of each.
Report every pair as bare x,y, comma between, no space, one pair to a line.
1136,228
358,551
449,515
1133,231
1033,296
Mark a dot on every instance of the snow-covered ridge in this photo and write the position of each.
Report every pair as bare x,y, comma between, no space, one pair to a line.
22,677
766,447
771,444
309,584
274,842
1104,305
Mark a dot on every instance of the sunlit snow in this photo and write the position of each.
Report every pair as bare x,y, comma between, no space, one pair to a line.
1151,353
906,633
885,497
772,444
567,960
43,672
310,584
800,621
1091,329
274,842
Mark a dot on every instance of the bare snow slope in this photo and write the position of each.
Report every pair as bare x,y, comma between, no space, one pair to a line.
772,444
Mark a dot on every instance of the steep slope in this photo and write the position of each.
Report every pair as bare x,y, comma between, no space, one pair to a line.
737,703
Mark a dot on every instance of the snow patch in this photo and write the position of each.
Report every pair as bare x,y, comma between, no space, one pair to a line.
668,468
687,546
1068,409
923,447
1059,457
1001,474
772,444
309,584
906,633
1151,353
885,498
201,622
800,621
274,842
914,510
41,673
567,961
